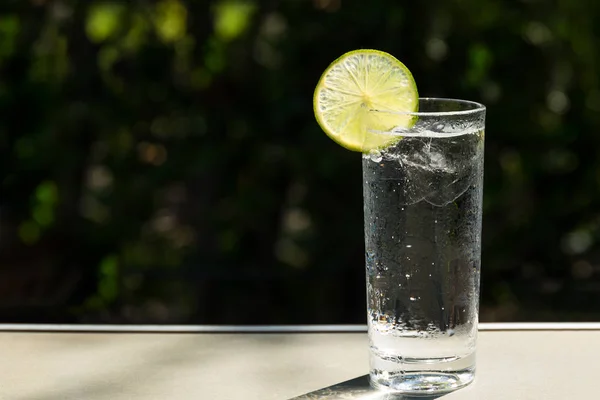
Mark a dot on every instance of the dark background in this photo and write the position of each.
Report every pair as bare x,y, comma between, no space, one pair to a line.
160,161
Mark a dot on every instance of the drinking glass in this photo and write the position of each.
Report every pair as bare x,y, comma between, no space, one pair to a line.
422,214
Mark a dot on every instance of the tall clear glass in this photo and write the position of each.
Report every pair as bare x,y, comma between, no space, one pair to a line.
422,210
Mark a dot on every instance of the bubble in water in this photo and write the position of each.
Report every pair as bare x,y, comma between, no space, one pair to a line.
375,156
407,276
370,255
431,326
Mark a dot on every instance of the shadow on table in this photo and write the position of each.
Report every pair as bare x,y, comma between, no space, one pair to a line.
357,388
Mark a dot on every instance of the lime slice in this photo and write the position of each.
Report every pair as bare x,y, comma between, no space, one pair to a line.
359,96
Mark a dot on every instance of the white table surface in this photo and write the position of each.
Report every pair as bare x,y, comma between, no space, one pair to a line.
529,361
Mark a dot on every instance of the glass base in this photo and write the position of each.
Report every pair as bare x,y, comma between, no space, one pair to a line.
424,383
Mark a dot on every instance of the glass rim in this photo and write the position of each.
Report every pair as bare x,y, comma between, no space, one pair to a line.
474,108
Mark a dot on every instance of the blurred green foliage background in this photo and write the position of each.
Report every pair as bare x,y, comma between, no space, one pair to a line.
160,161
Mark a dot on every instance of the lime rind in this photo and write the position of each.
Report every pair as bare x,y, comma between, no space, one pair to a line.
354,88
